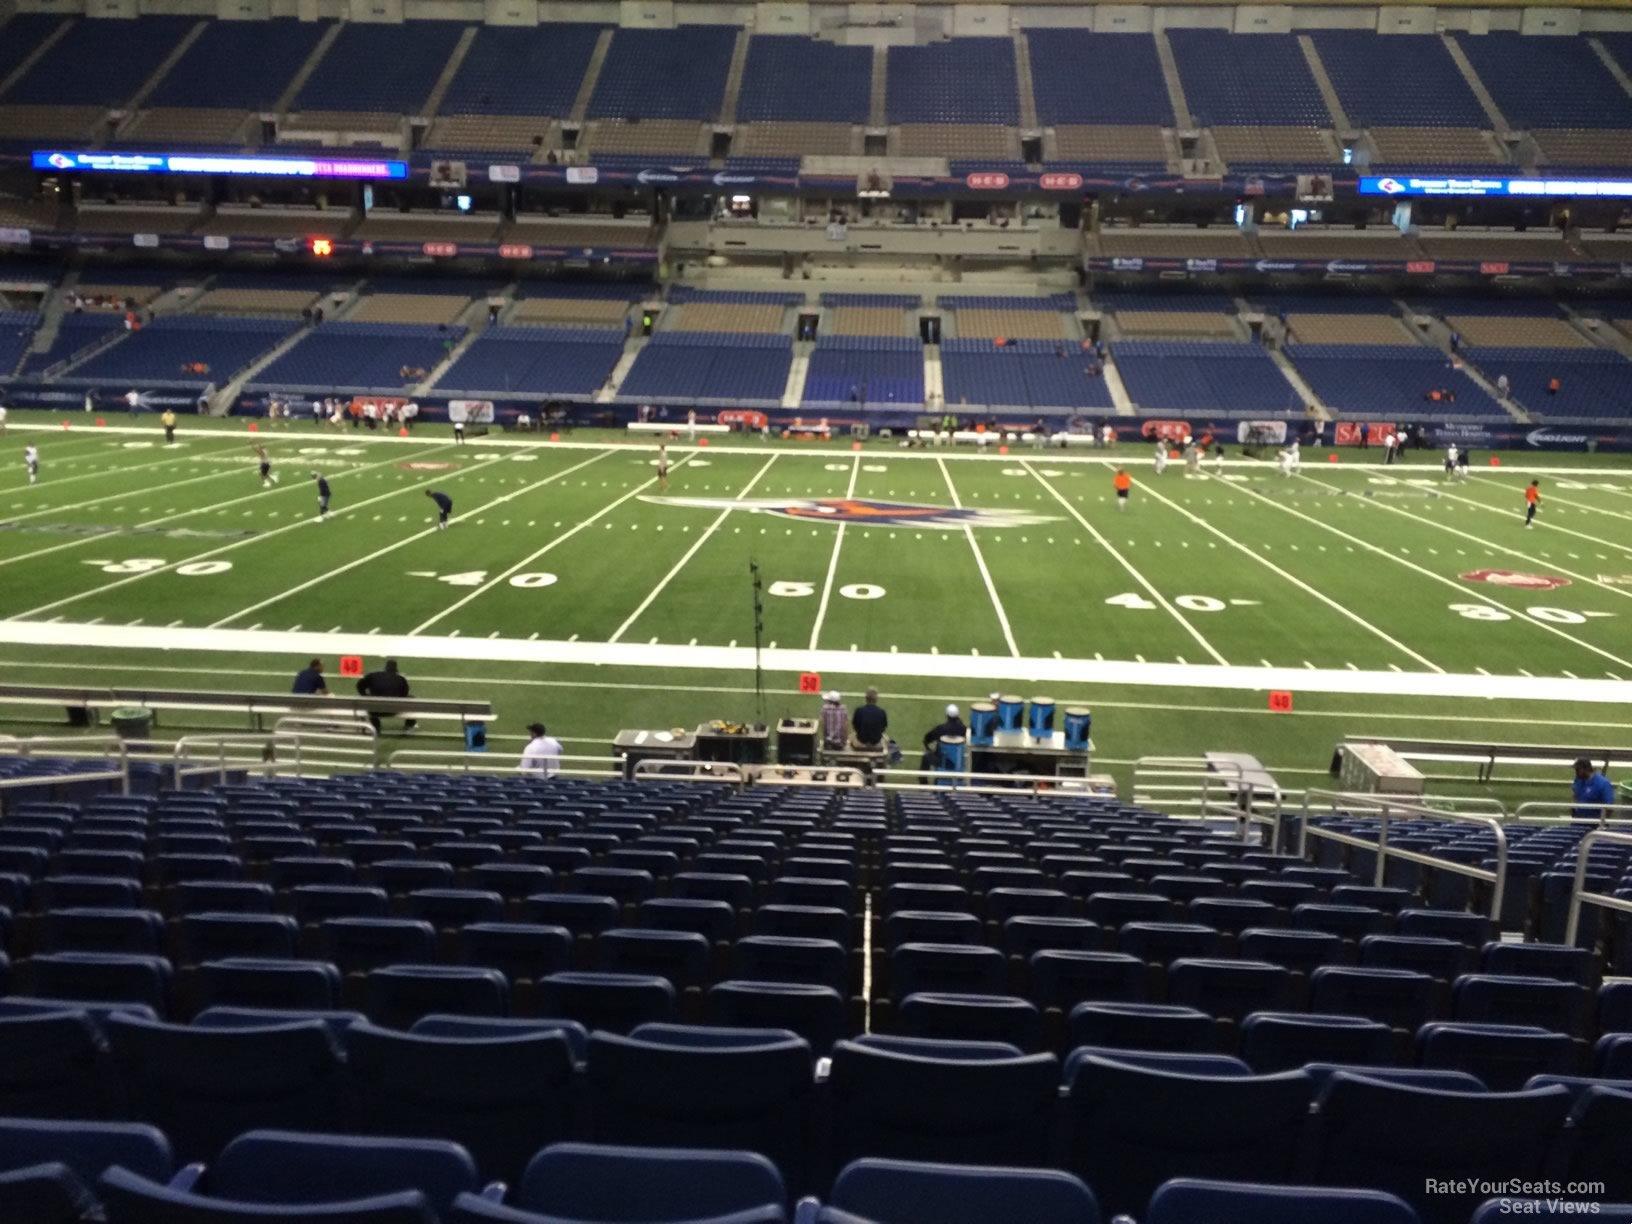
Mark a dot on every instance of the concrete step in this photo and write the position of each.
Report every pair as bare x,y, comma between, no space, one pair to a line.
798,371
877,104
163,70
1022,72
287,98
1498,121
733,78
1323,82
1175,87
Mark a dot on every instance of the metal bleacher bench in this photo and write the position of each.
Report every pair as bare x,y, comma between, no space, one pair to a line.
1486,754
91,701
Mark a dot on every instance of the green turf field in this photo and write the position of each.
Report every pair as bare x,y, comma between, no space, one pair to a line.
563,590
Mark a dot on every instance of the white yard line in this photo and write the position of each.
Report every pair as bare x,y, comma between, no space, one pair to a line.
404,541
1293,579
532,557
1461,589
1123,562
120,533
49,463
1548,497
978,670
691,552
146,491
1623,592
980,560
215,552
833,561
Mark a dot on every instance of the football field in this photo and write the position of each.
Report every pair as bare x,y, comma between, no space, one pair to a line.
571,585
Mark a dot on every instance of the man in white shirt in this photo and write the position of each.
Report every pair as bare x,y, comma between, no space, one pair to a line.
543,752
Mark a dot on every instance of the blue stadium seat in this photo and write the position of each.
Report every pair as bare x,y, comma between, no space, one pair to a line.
714,920
616,1002
1562,1007
398,995
522,951
903,1192
782,958
947,968
1397,1138
265,982
610,1184
981,1103
1134,1127
1398,997
1300,951
1576,965
1061,980
1141,1026
681,957
502,1096
222,936
1191,1200
48,1193
1229,989
971,1017
816,1013
358,945
731,1089
54,1065
86,1147
203,1085
1284,1041
1504,1056
104,976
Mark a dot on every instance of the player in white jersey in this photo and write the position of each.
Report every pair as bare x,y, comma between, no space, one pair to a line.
2,420
1192,458
1450,461
31,460
1296,448
1284,461
1161,457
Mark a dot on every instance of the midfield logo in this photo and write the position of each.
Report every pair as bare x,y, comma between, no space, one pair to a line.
855,510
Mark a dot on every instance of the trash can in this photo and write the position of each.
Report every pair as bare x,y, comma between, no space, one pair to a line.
132,722
475,737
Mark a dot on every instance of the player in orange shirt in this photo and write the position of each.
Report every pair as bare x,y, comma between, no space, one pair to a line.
1123,483
1532,498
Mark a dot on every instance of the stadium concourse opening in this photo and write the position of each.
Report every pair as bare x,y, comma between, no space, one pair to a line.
960,621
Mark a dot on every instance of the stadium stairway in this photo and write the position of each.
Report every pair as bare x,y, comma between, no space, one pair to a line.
26,65
1323,82
1438,335
1119,392
934,377
592,76
1022,73
449,71
56,306
165,65
1175,87
298,82
614,382
798,370
223,400
733,79
877,99
1487,103
1304,390
1610,62
474,321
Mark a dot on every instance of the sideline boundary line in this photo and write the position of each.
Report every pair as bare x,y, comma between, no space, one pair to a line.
638,444
974,668
1125,564
980,560
1098,702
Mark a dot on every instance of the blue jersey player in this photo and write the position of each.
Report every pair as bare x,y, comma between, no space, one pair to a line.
444,505
322,497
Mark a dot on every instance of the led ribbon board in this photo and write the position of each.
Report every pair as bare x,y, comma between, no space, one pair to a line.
193,163
1450,185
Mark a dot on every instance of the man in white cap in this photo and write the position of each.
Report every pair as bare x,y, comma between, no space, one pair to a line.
835,723
952,727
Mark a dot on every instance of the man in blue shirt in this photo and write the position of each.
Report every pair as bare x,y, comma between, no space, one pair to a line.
444,505
1591,787
309,679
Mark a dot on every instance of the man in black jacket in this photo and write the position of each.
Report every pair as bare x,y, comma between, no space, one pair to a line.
869,722
387,683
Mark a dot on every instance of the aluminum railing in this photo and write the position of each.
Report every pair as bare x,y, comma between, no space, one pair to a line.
1194,788
980,783
568,765
1578,891
1385,809
1560,813
101,748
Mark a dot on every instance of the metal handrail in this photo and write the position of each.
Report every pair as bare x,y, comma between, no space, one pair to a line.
1241,801
1536,810
1578,890
691,771
1385,809
970,782
120,775
478,762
